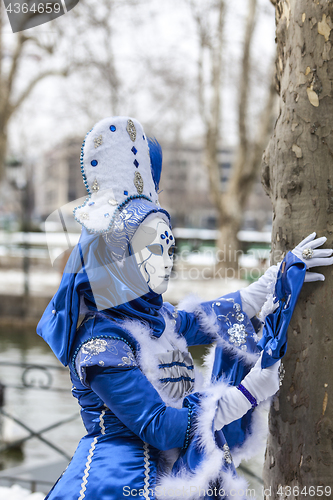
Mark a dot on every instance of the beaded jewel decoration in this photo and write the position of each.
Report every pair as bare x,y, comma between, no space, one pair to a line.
98,141
138,182
237,334
227,454
95,186
307,253
235,323
131,130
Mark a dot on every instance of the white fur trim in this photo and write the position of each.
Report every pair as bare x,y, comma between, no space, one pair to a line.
248,358
269,306
256,439
192,304
238,486
210,468
114,171
208,363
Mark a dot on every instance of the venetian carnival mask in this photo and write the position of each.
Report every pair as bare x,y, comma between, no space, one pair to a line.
153,245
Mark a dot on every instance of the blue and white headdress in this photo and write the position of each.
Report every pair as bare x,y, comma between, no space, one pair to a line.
118,164
121,170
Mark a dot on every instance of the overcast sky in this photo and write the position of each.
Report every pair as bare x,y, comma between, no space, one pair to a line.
164,33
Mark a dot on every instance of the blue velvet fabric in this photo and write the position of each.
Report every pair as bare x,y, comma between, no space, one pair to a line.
274,342
288,286
155,152
238,331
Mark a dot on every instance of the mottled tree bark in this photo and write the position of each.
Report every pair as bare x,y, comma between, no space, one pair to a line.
298,175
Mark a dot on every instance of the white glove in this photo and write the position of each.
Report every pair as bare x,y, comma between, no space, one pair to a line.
319,257
254,296
260,382
232,406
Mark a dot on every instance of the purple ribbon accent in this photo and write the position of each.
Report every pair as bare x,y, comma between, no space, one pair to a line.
248,395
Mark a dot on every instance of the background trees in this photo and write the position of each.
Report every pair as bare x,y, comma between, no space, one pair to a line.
146,59
26,58
252,135
297,174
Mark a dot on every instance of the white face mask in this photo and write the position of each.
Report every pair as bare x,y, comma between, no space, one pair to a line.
153,245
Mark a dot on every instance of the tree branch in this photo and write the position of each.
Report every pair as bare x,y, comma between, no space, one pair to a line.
33,83
201,87
241,169
216,55
245,76
49,48
262,138
7,86
203,43
213,128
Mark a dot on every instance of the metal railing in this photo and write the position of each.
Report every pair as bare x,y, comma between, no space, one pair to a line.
34,377
31,483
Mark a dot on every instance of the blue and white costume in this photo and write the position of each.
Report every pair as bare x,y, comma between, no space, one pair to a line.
152,423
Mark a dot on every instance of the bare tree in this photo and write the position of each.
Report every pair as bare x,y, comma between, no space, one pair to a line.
21,48
297,174
113,81
93,59
230,204
211,45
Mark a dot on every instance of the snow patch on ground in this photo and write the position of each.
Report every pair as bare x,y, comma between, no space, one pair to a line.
16,492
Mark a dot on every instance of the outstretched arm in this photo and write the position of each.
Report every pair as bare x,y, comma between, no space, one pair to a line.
254,296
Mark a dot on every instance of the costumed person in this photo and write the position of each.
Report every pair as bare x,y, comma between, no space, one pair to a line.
154,428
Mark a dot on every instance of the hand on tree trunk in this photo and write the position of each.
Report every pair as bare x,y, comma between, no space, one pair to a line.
313,258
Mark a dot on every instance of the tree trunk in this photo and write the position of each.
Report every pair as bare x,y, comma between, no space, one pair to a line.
228,251
298,175
230,205
3,150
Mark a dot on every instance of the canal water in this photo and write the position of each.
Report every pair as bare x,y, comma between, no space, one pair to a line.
36,408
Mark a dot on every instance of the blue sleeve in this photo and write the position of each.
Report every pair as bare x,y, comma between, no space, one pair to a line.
288,286
205,322
108,352
133,399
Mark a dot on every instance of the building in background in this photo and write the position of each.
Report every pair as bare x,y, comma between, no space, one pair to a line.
58,179
184,185
185,189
